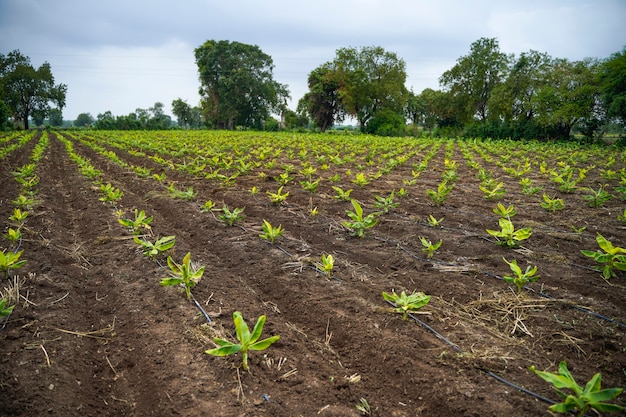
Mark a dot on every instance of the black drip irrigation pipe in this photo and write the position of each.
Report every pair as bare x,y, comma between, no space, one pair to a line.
206,316
582,309
485,371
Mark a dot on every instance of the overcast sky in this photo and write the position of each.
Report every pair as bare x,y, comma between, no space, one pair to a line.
120,55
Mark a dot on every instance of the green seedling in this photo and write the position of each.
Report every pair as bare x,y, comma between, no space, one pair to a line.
111,194
552,204
278,197
231,217
313,212
24,202
359,224
406,304
207,206
13,235
434,222
493,192
4,310
310,186
508,236
527,186
326,265
429,247
247,341
341,194
284,178
578,230
597,198
441,195
254,190
270,233
364,407
386,203
506,212
188,195
137,225
10,260
186,274
360,180
18,217
402,192
160,246
622,217
521,278
612,257
591,397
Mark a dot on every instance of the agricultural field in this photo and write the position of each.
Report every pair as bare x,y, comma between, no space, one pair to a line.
308,231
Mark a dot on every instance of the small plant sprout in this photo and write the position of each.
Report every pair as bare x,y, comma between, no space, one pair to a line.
341,194
270,233
364,407
247,341
310,186
508,236
433,221
207,206
386,203
441,194
313,212
326,265
622,217
23,202
231,217
527,186
406,304
552,204
583,399
18,218
402,192
278,197
110,193
493,192
359,224
4,310
160,246
612,257
521,278
186,274
138,224
360,180
13,235
429,247
578,230
597,198
506,212
10,260
254,190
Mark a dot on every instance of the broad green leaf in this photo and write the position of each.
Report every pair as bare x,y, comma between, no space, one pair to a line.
241,328
258,329
169,282
224,350
263,344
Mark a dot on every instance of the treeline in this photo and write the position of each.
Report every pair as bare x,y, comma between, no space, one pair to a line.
487,93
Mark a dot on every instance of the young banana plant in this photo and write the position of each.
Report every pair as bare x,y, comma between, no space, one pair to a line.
247,341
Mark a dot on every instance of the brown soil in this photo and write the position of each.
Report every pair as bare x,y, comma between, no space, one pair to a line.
94,334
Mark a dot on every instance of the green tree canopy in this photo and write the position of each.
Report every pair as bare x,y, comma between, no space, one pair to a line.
83,120
322,102
474,77
27,91
613,85
370,79
182,111
237,85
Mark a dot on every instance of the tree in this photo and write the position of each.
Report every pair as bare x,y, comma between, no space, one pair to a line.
237,85
5,113
474,77
26,90
569,96
370,79
322,102
55,117
613,85
83,120
182,111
